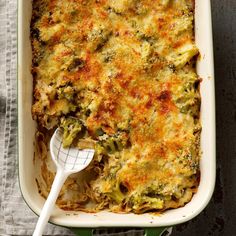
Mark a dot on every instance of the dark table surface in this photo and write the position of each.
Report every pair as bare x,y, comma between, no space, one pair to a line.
219,218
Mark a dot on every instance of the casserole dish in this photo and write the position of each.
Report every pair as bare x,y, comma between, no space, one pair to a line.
108,219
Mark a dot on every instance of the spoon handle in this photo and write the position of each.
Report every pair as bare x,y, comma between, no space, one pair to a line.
58,182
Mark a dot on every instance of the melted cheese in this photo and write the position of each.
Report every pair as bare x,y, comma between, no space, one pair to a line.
126,69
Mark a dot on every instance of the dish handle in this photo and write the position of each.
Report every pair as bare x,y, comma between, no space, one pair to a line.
147,231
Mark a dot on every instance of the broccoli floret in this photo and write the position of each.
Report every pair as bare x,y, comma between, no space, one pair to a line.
113,143
183,55
71,128
189,101
98,37
142,203
116,194
67,92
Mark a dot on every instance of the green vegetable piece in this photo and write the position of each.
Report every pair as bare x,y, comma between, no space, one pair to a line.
114,143
110,146
71,127
116,194
183,55
144,202
67,92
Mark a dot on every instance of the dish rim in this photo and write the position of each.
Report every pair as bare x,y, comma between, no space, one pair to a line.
61,220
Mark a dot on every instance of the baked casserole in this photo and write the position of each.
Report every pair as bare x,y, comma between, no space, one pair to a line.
119,76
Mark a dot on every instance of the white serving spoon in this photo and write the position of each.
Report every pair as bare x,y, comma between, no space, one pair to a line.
68,161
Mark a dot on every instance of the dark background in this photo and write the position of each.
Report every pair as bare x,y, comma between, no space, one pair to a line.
219,218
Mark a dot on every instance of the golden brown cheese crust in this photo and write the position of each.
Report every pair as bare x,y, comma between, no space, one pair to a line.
126,70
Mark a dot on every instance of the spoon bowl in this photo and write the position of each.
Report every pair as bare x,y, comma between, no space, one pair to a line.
70,159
